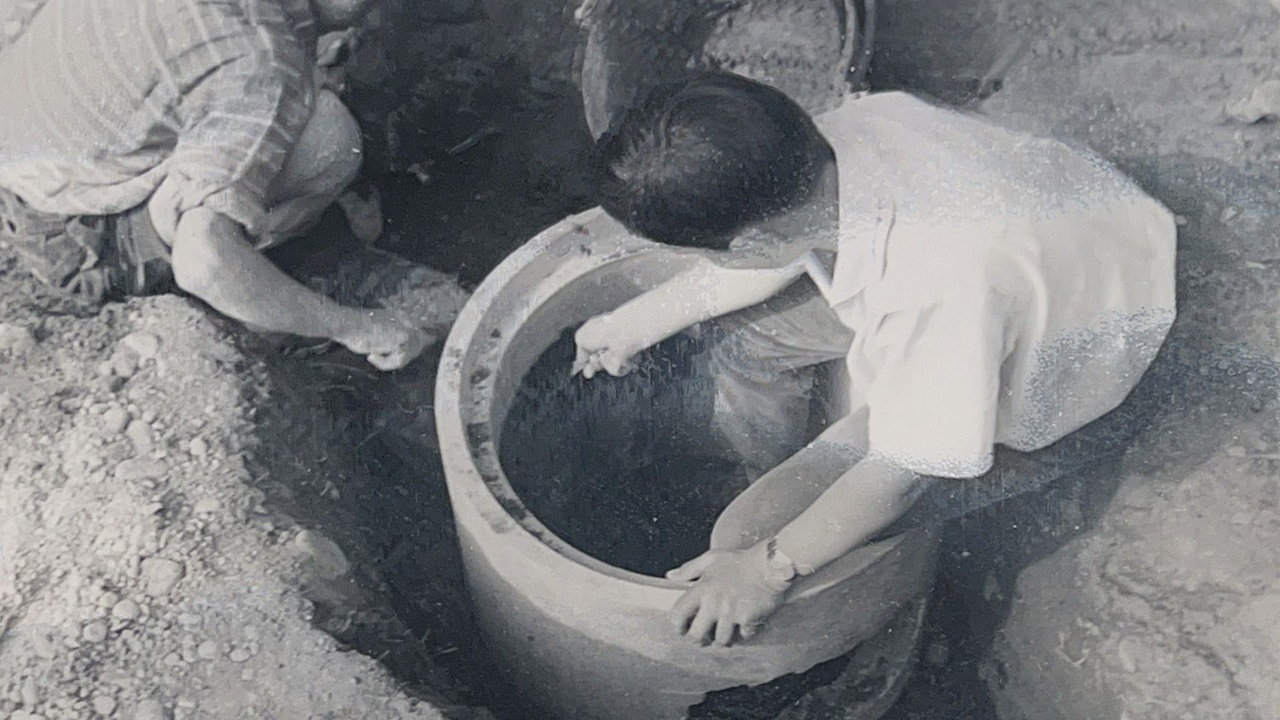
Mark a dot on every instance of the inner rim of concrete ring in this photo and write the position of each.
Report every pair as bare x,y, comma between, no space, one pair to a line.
481,340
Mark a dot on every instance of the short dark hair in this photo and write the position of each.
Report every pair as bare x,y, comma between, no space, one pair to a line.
707,155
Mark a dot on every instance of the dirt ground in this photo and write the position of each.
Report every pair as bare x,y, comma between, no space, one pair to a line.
1148,589
198,523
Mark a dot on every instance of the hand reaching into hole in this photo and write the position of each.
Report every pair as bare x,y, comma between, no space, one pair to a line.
605,345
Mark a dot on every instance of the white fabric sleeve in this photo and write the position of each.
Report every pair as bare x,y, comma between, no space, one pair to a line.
934,395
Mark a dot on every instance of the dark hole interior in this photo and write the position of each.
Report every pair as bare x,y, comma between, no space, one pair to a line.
627,470
623,469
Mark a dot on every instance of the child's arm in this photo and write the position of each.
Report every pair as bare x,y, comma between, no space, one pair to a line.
865,500
704,291
739,589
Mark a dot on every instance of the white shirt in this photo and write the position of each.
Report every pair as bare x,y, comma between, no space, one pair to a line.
1002,288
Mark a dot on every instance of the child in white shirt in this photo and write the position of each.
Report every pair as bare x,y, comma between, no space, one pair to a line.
983,287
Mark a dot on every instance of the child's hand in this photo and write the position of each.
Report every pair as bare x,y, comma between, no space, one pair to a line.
731,599
604,345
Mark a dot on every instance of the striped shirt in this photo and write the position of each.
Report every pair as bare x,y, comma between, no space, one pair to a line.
108,104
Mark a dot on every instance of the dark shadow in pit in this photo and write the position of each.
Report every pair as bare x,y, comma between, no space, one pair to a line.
622,469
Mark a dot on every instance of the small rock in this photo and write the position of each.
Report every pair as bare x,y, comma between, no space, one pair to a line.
126,610
239,655
327,558
1261,106
150,709
28,693
144,344
16,339
109,384
1228,214
189,620
198,447
207,506
94,632
104,705
115,420
108,600
173,659
148,416
140,469
42,643
364,215
207,650
139,433
124,363
161,575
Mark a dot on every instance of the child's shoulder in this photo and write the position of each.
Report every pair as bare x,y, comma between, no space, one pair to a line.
885,102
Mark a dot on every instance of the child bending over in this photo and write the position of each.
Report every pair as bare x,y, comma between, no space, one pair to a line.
982,287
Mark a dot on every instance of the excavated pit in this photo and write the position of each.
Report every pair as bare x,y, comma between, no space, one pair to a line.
481,204
476,207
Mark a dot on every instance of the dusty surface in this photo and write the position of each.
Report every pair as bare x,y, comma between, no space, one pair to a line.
1165,604
174,525
195,523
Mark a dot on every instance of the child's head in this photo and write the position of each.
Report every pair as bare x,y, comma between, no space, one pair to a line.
705,157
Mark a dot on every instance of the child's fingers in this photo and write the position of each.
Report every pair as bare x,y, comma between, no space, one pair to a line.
582,362
725,630
685,610
693,569
703,626
617,365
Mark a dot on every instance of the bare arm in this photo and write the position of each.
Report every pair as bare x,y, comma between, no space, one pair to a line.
213,260
863,501
737,590
704,291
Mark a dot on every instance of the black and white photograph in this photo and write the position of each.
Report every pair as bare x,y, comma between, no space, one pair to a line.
640,359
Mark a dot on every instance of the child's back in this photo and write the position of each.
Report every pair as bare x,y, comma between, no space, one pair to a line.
1067,262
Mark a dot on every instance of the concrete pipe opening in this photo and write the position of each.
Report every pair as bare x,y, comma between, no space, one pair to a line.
572,497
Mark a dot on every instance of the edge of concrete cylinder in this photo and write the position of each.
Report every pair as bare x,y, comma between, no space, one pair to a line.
582,638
